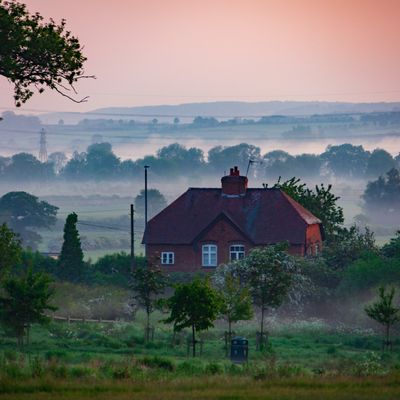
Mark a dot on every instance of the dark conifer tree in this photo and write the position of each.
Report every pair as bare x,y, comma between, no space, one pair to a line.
71,265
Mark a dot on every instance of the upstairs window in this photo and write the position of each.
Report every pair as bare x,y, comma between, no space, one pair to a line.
236,252
209,255
167,257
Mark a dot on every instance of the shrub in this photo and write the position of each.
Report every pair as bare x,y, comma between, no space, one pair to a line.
370,364
59,371
214,368
80,372
158,362
36,366
190,367
370,271
52,355
121,372
13,371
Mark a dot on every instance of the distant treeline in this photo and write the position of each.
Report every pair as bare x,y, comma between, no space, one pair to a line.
378,119
100,163
12,121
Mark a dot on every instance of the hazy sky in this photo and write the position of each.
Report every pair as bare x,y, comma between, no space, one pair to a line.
175,51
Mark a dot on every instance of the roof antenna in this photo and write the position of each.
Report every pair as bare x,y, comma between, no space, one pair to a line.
251,162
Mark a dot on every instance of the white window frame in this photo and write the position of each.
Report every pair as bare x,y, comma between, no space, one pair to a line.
233,250
167,258
209,255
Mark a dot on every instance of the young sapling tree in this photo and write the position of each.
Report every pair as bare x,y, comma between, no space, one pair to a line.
148,282
384,312
194,305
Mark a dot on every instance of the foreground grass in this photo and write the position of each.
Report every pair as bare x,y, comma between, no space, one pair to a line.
207,388
306,360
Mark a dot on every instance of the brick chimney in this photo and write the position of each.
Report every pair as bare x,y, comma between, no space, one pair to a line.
234,185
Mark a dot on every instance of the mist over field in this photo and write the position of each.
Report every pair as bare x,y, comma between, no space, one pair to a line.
138,135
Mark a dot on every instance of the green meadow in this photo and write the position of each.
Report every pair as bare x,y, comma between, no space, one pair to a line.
304,360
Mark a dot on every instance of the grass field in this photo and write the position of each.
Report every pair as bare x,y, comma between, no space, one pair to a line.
305,360
220,388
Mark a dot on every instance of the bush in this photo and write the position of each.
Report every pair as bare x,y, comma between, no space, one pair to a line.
158,362
121,372
52,355
370,271
36,366
214,368
370,364
59,371
190,367
80,372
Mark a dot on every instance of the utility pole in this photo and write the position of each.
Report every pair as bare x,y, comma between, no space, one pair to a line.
132,238
146,167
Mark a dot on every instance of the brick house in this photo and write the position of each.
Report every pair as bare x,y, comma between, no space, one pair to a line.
206,227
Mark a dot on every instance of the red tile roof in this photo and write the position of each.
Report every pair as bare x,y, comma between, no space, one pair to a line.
265,216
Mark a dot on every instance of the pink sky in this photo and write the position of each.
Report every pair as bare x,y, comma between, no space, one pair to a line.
175,51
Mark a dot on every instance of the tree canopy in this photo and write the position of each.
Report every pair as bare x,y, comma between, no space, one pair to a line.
24,302
268,273
35,54
382,196
384,312
10,249
70,264
321,202
22,211
147,284
194,305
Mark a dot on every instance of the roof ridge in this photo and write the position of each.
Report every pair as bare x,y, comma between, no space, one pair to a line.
296,204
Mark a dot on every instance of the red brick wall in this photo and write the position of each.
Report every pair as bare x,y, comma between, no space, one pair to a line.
313,238
188,258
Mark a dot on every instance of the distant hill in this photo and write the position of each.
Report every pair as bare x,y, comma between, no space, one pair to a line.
224,109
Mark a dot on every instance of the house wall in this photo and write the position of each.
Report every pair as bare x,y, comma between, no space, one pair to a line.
313,239
188,258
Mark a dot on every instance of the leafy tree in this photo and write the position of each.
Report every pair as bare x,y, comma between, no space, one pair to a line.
204,122
75,167
178,158
379,162
384,312
236,299
26,167
10,249
129,169
347,246
24,302
22,211
321,202
194,305
37,54
382,197
59,160
70,264
155,199
101,162
392,249
20,122
368,271
115,268
222,158
148,282
268,273
346,160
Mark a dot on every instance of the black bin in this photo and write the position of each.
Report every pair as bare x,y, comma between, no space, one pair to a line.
239,350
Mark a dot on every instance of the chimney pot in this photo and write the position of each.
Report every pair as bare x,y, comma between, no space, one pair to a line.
234,185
